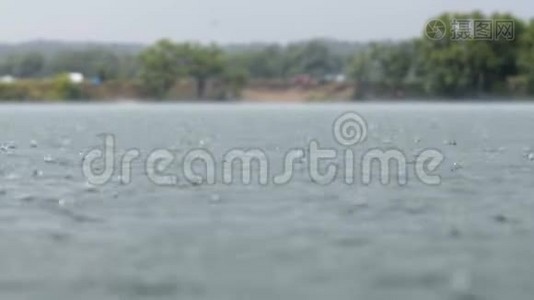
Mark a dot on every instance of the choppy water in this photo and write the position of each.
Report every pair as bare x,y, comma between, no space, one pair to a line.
469,238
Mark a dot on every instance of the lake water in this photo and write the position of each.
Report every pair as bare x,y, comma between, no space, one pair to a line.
471,237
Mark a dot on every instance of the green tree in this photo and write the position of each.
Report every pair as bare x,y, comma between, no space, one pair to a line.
94,62
394,62
235,80
27,65
313,58
383,66
468,67
280,62
164,63
360,71
526,57
203,63
64,89
266,63
161,65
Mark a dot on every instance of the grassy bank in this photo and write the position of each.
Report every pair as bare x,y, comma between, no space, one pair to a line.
60,89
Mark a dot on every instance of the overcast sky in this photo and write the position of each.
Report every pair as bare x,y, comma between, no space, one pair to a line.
229,21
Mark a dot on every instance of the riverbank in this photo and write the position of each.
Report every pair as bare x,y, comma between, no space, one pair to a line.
59,89
256,91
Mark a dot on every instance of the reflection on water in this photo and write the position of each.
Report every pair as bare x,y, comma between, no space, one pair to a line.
468,238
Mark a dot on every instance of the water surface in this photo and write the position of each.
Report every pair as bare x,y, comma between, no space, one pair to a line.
469,238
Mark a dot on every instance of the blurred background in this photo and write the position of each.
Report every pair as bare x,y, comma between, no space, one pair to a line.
338,50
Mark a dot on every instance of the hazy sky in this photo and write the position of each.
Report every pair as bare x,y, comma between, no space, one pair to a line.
229,21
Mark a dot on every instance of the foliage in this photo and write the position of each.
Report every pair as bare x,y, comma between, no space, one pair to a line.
431,68
93,63
451,67
37,90
456,68
203,63
64,89
526,57
166,62
25,65
161,65
235,80
313,58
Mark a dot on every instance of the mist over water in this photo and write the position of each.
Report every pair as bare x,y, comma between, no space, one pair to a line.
468,238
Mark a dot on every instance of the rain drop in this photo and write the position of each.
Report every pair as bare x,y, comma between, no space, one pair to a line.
215,198
456,166
49,159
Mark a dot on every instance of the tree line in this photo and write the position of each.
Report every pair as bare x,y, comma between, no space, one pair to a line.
159,66
423,66
451,67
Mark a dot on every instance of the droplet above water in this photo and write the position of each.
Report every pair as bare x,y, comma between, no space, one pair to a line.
37,173
49,159
450,142
456,166
6,147
11,145
215,198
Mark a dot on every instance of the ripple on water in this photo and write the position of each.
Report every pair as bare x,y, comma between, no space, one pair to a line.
404,246
27,198
74,216
91,189
456,167
215,198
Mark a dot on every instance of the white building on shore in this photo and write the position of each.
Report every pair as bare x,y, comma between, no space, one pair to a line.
7,79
